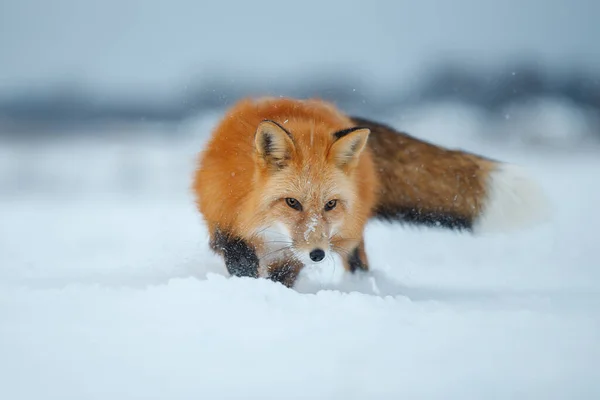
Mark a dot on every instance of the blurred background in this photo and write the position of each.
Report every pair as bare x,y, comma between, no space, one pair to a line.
115,98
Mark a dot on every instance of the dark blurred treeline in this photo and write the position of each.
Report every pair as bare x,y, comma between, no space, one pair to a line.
38,112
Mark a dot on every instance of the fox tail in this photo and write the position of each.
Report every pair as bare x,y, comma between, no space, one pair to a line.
425,184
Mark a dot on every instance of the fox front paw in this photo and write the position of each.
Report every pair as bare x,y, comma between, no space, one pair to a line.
240,258
285,271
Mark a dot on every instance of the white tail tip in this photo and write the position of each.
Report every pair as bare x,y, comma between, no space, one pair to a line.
514,201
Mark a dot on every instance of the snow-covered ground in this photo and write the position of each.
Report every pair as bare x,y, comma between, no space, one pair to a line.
108,290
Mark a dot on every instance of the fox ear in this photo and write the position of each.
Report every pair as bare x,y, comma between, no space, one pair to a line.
348,146
273,143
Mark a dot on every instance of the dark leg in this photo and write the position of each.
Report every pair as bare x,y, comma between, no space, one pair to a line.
357,259
240,257
285,271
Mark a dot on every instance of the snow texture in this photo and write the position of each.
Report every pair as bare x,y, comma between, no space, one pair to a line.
109,291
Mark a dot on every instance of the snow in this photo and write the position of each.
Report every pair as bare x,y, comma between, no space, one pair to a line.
108,290
550,120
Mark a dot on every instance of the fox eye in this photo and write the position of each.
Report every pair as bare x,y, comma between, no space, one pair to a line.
330,205
293,203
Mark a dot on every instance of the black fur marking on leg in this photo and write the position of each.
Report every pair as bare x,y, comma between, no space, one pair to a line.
240,258
285,274
355,263
417,216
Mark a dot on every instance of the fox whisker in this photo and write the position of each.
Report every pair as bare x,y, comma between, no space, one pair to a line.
270,231
332,260
279,241
342,250
273,252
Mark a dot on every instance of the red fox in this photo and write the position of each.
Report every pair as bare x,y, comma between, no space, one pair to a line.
283,182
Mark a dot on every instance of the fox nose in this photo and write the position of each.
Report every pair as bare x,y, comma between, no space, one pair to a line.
317,255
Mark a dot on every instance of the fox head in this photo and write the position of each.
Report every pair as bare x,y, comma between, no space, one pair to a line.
308,190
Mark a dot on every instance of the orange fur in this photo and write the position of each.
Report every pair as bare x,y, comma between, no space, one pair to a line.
268,150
